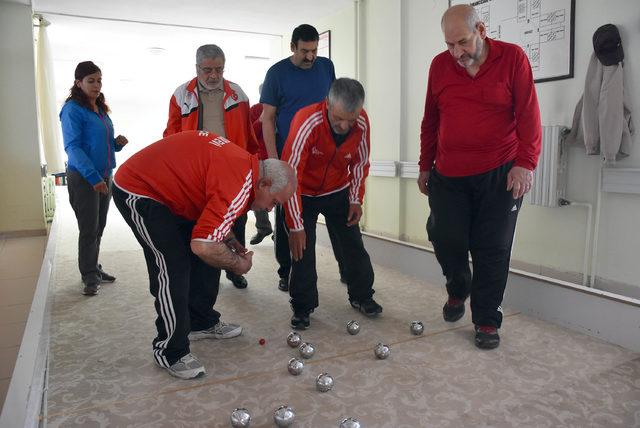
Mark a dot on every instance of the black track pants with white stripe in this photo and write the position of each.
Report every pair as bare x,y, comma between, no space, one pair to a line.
474,214
303,284
184,287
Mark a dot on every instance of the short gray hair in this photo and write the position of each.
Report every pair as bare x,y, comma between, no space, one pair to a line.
347,92
279,172
470,15
209,51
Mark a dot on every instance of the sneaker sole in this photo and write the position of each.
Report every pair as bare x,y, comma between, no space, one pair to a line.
107,281
370,315
452,319
487,346
202,336
191,374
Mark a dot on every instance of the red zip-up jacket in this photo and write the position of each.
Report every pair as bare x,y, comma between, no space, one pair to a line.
322,167
183,113
197,175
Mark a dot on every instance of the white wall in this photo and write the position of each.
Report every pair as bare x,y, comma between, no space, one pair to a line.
343,40
21,206
142,65
564,229
399,41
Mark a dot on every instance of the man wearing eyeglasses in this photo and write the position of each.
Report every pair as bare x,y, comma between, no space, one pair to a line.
211,103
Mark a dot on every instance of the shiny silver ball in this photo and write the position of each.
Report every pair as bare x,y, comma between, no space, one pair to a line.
324,382
294,339
295,366
353,327
284,416
240,418
417,327
350,423
307,350
382,351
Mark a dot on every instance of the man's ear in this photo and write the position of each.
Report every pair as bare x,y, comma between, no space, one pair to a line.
264,182
482,29
293,47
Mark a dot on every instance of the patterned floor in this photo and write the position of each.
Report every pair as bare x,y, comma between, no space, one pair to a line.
102,374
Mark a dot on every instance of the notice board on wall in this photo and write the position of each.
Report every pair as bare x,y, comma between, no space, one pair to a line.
544,29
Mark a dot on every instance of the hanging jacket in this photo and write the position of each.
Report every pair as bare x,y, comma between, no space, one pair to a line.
602,118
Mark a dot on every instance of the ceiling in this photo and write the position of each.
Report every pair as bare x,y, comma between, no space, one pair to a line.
261,16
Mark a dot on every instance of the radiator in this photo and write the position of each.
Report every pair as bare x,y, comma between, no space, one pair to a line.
49,195
550,177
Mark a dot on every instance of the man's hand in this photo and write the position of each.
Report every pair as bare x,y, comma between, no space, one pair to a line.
221,255
297,244
354,215
101,187
519,181
245,261
423,179
235,245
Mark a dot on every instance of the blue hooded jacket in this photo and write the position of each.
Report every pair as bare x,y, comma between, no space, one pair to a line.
88,141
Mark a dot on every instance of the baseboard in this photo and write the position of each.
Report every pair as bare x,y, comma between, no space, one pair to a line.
23,233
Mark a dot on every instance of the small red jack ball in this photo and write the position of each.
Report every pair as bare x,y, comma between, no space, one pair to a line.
262,341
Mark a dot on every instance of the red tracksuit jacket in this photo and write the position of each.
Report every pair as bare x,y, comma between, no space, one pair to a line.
322,167
183,113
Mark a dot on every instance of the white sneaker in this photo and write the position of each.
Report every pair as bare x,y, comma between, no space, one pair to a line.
222,330
187,367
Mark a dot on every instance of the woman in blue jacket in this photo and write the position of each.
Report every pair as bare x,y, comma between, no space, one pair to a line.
90,145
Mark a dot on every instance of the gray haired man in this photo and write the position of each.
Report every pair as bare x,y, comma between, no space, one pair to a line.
328,146
211,103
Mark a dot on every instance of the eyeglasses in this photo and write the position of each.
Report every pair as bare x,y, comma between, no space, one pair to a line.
210,70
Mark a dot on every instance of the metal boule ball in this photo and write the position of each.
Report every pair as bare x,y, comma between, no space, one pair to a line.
324,382
353,327
284,416
417,327
294,339
350,423
295,366
382,351
307,350
240,418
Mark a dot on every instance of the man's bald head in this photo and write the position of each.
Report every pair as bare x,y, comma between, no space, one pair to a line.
461,14
464,35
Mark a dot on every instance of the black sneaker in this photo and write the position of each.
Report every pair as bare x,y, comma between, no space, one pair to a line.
453,310
238,281
300,320
283,284
368,307
91,289
105,277
258,237
487,337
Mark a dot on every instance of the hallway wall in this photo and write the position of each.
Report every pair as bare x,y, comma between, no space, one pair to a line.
21,205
